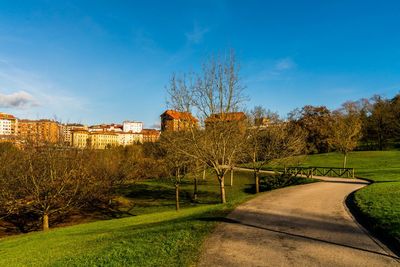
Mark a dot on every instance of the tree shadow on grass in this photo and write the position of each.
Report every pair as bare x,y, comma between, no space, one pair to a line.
165,196
145,191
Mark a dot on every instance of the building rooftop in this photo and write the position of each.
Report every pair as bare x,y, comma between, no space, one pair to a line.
5,116
178,115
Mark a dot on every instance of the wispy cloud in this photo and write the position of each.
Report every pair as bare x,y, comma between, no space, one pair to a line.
197,34
284,64
19,99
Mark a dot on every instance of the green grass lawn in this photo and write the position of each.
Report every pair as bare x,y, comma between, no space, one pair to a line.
380,166
158,239
380,202
157,236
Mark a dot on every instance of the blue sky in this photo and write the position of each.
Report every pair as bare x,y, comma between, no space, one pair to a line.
107,61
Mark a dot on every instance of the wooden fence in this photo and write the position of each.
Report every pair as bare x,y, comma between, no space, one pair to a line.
309,172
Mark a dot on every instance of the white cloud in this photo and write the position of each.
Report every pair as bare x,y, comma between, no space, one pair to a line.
26,93
19,99
197,34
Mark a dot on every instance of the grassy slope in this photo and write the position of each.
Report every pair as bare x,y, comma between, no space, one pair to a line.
164,238
381,200
161,239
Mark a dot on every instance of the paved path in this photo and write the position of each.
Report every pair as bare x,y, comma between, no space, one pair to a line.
305,225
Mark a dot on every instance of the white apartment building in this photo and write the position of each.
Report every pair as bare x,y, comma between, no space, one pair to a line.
8,124
126,139
132,126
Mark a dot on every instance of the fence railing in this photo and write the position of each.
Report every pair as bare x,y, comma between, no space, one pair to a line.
311,171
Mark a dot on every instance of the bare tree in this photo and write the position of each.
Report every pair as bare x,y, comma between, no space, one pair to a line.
178,164
346,129
54,181
216,90
219,147
181,93
272,142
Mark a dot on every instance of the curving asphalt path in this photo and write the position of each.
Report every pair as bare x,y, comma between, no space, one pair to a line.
305,225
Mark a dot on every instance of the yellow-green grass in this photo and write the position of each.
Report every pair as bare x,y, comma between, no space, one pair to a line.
158,239
379,202
157,236
380,166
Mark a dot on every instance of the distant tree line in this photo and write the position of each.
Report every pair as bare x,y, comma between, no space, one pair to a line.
374,122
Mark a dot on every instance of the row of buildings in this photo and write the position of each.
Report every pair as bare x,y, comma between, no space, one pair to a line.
101,136
109,135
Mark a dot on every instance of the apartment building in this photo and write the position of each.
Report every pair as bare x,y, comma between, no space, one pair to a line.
172,120
46,131
8,124
102,140
150,135
132,126
79,138
130,138
66,131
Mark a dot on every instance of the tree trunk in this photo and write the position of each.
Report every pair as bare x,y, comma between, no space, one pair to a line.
344,160
222,188
177,196
45,222
257,181
231,176
195,189
204,173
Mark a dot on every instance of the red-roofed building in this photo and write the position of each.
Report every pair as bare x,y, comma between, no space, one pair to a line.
172,120
232,117
229,116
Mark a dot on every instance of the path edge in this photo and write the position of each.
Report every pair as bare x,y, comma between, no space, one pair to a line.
367,224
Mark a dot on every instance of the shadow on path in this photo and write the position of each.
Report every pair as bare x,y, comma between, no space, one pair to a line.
233,221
